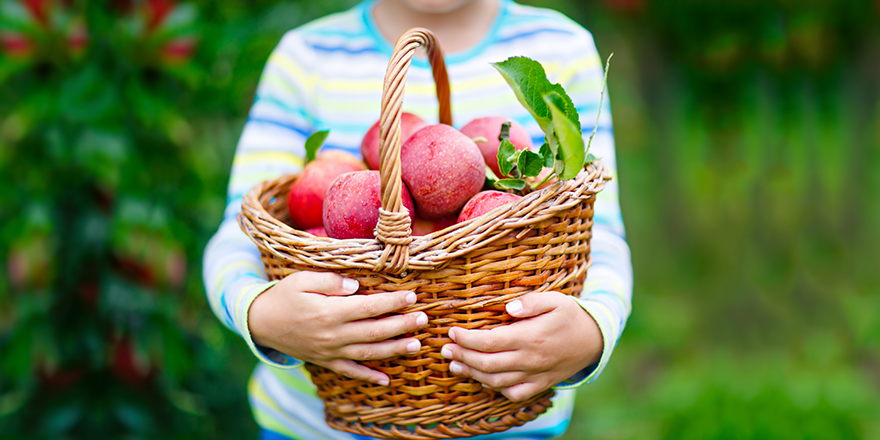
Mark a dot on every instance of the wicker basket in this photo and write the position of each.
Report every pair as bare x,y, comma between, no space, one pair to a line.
463,276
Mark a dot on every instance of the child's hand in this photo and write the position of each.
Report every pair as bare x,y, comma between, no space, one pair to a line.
529,356
313,316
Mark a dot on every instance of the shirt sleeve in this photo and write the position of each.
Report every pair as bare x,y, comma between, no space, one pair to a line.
607,293
271,144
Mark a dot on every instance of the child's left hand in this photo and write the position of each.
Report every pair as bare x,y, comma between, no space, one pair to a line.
558,339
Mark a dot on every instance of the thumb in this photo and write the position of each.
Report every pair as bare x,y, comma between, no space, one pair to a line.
533,304
327,283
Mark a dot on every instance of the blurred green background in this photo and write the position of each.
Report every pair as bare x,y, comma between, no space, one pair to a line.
748,137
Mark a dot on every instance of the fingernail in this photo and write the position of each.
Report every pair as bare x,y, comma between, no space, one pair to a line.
514,306
383,382
451,334
350,285
413,346
455,368
411,298
422,319
446,352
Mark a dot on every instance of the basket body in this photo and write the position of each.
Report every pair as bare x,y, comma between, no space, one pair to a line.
463,276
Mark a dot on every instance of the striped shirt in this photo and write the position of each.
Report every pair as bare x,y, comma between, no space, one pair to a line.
328,74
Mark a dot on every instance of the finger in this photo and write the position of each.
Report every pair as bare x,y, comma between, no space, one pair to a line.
495,381
522,391
502,338
327,283
372,330
485,362
534,304
355,370
381,350
367,306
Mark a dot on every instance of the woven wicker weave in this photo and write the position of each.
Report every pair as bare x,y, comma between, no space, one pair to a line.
463,276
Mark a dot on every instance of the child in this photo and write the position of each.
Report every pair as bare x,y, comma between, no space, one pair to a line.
328,74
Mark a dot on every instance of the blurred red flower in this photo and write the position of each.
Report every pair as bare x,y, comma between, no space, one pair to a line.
156,12
15,44
130,366
38,9
50,25
179,50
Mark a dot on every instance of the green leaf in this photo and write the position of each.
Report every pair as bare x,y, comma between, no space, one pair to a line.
490,174
547,154
529,82
491,178
505,151
515,156
590,159
570,151
314,142
516,184
529,163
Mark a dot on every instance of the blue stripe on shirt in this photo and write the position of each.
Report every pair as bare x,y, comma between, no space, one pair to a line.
532,32
304,133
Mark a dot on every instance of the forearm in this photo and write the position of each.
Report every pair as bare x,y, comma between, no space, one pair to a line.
607,291
232,268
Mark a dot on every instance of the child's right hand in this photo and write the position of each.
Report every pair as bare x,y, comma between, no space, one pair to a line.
314,317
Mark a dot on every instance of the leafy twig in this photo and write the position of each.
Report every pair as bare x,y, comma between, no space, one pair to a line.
601,97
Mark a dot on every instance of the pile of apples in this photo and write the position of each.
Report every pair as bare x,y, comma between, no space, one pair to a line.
443,171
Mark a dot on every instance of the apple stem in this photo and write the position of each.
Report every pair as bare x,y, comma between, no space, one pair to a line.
505,131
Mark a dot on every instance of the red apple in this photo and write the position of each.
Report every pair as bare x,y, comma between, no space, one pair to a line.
424,227
334,155
442,168
351,208
318,232
409,124
485,202
488,128
306,198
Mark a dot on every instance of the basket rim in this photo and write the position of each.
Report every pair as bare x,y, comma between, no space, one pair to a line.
426,252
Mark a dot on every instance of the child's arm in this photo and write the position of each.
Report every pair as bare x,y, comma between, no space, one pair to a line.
560,344
304,317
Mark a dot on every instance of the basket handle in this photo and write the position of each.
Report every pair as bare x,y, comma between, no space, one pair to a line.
394,226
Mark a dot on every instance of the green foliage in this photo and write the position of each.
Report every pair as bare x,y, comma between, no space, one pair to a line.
552,109
529,82
506,150
529,163
547,154
513,163
554,112
514,184
570,143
